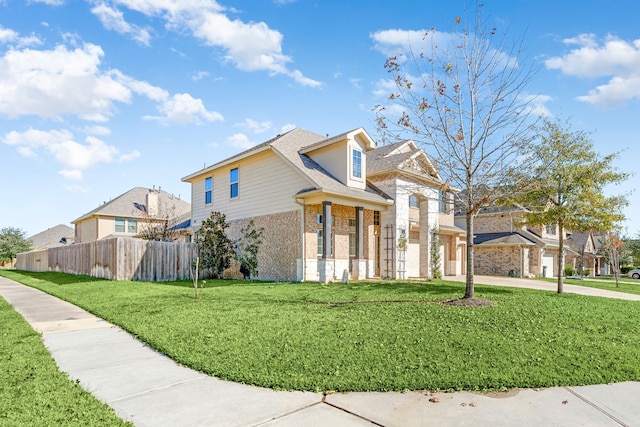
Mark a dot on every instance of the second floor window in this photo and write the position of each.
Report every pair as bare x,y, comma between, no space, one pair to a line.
208,193
443,202
233,182
132,226
120,222
413,202
551,229
356,169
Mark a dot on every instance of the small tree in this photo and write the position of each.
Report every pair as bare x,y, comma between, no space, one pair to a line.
566,185
215,247
436,259
156,225
612,250
461,95
12,242
247,247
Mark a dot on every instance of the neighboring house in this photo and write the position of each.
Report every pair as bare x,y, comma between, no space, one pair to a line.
585,254
129,214
322,215
60,235
504,244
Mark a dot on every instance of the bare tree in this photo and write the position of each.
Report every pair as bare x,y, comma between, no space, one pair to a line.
462,97
612,249
155,223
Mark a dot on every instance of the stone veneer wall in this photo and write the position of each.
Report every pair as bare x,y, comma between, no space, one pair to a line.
496,261
496,223
280,248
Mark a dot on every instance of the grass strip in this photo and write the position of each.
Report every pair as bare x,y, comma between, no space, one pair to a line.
33,392
358,337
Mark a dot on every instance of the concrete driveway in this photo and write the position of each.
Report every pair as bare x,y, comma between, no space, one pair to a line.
515,282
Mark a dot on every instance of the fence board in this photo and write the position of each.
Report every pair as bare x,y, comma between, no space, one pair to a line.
118,258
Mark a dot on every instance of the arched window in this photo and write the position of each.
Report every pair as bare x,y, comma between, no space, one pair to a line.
413,202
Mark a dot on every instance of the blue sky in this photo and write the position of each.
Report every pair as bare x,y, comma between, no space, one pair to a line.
97,97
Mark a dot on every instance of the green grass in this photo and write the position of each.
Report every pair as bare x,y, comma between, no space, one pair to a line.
369,336
32,390
630,286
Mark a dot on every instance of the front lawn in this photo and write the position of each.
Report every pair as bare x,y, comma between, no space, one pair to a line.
369,336
33,392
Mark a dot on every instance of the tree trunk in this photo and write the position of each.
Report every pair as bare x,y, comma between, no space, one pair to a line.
561,256
469,291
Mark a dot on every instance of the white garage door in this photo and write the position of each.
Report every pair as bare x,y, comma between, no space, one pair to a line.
547,266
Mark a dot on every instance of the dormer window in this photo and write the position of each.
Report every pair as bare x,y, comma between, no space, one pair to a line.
356,164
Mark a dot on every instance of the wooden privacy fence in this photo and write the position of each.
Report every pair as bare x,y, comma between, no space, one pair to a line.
117,258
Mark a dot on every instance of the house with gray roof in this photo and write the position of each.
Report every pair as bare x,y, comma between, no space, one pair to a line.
504,244
130,214
328,206
60,235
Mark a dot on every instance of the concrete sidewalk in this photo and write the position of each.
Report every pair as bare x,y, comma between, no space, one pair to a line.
149,389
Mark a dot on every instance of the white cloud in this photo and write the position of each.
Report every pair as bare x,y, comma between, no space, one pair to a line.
384,87
9,36
535,105
56,82
613,58
251,46
50,2
97,130
182,108
64,81
129,156
241,141
71,175
113,19
255,126
397,42
199,76
75,157
286,128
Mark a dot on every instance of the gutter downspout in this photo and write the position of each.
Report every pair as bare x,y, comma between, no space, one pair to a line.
302,257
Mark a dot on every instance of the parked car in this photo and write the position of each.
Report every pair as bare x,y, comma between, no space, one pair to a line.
634,273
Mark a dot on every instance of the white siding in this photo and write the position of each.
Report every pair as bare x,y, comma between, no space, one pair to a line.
266,186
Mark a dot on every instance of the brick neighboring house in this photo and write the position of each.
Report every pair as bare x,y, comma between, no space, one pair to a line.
330,205
127,214
584,254
504,244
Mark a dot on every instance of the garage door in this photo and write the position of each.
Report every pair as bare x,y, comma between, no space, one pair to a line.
547,266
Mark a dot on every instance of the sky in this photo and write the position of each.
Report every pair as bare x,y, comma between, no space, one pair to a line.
100,96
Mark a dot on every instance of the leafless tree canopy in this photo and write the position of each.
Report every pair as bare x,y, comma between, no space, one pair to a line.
461,95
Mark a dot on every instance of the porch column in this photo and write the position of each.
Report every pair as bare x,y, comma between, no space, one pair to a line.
359,266
325,263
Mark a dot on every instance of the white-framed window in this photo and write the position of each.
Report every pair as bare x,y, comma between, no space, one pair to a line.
443,201
321,245
356,163
132,226
234,181
319,219
352,222
208,190
551,229
120,225
413,201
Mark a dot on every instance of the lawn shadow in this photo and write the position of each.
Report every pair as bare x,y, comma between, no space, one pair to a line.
58,278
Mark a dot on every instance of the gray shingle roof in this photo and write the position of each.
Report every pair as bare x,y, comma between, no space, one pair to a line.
289,145
125,205
51,238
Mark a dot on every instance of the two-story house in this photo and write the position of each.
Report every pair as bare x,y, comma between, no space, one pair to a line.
505,244
323,214
129,214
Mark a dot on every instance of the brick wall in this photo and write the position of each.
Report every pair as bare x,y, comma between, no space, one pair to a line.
496,223
280,248
496,261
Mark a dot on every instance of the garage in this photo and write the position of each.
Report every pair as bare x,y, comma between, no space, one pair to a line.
547,266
